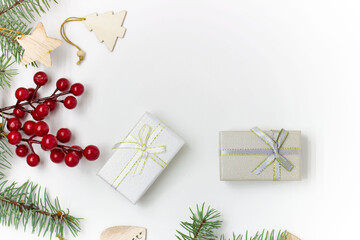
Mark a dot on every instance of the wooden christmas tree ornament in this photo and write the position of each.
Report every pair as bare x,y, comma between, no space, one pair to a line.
38,46
108,27
124,233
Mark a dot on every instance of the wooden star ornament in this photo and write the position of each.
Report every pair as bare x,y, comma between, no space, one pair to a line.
38,46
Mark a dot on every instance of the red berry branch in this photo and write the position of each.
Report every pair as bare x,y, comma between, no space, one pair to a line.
37,131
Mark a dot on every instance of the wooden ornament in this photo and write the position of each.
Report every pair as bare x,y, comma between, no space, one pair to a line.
38,46
107,27
292,237
124,233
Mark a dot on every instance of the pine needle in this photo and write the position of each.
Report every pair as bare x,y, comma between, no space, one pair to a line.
5,72
202,225
206,220
16,15
268,235
26,205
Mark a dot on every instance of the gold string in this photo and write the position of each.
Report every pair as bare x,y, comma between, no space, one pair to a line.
80,52
6,31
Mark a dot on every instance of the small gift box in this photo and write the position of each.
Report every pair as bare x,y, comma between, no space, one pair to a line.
259,155
141,157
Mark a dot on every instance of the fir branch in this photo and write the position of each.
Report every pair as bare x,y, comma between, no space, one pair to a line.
23,205
10,48
8,8
202,224
5,72
16,15
24,9
268,235
5,152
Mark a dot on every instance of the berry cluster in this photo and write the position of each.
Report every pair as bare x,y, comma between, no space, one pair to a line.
38,130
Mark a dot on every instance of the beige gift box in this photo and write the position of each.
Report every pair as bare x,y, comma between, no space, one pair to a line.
243,156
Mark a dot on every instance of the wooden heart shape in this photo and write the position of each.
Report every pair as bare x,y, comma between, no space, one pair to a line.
124,233
292,237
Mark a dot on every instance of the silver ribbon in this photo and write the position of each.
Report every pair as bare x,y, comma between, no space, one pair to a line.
275,144
275,152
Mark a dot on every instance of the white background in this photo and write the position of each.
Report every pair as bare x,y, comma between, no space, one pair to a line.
201,67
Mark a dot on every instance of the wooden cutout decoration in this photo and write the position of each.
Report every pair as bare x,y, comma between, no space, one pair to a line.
124,233
107,27
38,46
292,237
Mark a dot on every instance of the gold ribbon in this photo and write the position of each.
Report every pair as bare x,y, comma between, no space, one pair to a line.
144,149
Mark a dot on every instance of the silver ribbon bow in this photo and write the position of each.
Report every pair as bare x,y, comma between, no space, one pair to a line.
275,144
144,149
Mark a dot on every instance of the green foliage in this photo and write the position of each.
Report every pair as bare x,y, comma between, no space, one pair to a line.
203,223
23,11
5,71
16,15
24,205
206,220
268,235
5,152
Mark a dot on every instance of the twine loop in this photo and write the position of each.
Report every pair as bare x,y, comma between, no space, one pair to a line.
80,53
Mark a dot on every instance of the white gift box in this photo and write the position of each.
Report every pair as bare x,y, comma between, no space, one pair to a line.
141,157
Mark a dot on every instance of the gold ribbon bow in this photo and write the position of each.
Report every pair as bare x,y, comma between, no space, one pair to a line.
144,149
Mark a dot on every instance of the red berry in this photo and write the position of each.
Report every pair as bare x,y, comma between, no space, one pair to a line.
40,78
13,124
63,135
78,151
28,127
63,84
36,116
91,153
18,113
51,104
70,102
22,94
42,110
71,159
49,142
22,150
77,89
14,137
57,155
31,94
33,159
41,129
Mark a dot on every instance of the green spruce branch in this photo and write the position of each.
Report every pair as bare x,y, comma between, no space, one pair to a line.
264,235
6,73
27,205
202,225
5,151
17,15
204,221
24,10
